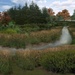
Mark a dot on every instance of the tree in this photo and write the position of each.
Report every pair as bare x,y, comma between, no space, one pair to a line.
45,15
50,12
25,14
34,13
28,14
4,18
13,13
64,15
52,17
59,16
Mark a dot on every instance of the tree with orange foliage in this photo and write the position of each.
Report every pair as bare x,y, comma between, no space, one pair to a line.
50,12
64,15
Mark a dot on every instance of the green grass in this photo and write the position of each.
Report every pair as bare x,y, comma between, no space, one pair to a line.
37,71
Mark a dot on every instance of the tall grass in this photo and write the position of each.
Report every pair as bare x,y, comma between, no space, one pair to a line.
5,62
59,59
53,60
21,40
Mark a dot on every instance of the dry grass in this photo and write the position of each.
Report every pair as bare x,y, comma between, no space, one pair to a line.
5,53
61,48
36,53
39,34
45,32
73,33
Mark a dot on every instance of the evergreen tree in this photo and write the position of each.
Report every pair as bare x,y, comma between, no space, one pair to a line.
45,15
28,14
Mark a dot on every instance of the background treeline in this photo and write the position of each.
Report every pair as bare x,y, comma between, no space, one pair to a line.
32,14
28,14
30,18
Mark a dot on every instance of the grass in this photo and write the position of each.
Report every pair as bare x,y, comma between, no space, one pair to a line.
34,55
37,71
31,55
23,40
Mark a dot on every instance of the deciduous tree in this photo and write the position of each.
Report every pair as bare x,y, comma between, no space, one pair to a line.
63,15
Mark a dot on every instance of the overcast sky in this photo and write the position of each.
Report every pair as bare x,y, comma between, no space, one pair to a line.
56,5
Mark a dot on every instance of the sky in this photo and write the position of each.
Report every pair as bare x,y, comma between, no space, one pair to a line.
56,5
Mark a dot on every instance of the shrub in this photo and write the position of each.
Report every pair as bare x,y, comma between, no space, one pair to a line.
73,42
29,29
5,63
5,67
16,41
34,40
21,40
10,31
60,61
10,28
25,62
55,61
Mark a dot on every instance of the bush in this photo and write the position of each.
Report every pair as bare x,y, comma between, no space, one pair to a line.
5,67
73,42
25,62
34,40
5,63
21,40
10,28
55,61
10,31
60,61
27,59
16,41
29,29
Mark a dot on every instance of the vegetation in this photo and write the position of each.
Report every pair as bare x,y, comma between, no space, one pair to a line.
37,71
28,14
73,16
4,18
25,15
14,37
64,15
21,40
10,28
5,62
17,31
58,61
